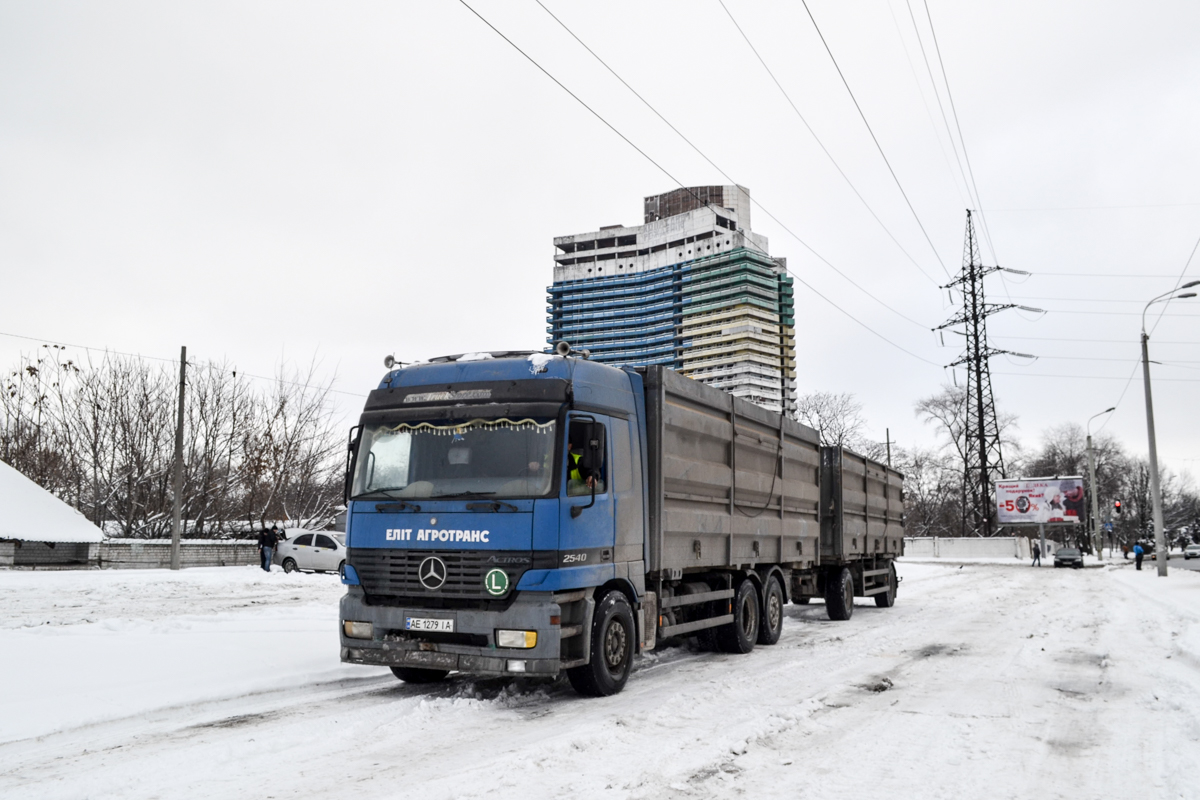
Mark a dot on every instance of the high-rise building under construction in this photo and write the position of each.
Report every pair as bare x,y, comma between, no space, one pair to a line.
692,288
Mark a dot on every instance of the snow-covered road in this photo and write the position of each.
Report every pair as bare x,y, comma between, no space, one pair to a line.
983,681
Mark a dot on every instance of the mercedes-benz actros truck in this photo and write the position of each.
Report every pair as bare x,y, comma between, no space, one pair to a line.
515,513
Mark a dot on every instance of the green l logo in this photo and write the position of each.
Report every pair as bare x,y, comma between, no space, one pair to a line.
496,582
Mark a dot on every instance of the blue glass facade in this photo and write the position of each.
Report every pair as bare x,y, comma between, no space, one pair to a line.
621,319
638,318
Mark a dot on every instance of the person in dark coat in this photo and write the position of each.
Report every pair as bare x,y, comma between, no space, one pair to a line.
1138,553
1037,556
267,539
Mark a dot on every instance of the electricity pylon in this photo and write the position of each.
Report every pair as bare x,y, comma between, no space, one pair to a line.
982,455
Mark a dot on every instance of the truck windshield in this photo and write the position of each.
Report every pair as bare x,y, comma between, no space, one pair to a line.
485,457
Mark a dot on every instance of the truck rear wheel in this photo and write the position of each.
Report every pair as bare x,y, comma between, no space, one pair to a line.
418,675
611,655
888,599
771,626
839,594
740,635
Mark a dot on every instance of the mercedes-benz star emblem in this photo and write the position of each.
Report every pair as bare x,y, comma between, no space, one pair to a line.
432,573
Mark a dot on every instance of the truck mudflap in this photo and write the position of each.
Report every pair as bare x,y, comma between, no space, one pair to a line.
467,639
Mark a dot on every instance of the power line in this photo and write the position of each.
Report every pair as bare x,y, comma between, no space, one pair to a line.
209,364
875,139
1095,208
957,126
662,169
1096,378
1179,281
1113,313
1106,275
1152,329
941,108
1061,299
925,104
727,177
1088,341
821,144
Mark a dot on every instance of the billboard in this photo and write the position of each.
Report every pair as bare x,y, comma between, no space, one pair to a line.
1040,501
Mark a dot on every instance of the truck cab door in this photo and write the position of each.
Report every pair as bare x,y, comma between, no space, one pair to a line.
587,525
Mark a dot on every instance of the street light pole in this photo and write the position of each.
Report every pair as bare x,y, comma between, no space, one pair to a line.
1097,539
1160,536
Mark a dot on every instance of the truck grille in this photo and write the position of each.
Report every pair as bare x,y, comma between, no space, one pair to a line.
386,573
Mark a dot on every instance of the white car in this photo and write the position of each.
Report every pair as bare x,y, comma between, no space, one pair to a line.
1191,551
311,550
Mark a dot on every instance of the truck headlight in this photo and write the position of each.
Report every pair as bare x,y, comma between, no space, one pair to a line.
358,630
520,639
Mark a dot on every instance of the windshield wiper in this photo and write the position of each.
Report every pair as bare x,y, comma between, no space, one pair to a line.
491,505
384,492
461,494
397,505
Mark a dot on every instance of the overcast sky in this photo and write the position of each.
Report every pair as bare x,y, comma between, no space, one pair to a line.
340,181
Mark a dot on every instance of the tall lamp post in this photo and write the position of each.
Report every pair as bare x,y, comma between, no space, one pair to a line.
1097,539
1160,536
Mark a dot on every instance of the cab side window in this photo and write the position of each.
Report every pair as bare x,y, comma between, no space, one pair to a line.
580,475
304,541
325,541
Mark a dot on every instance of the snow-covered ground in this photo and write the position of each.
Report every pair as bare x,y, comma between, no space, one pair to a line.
982,681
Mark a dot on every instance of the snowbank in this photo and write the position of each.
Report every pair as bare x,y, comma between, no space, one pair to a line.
29,513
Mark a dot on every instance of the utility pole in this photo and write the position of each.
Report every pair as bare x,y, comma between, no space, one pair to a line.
177,510
983,461
1160,537
1097,537
887,435
1095,502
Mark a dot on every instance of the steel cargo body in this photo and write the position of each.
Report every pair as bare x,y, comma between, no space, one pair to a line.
731,484
862,505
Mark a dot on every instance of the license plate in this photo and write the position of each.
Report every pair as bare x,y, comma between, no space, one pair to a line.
428,624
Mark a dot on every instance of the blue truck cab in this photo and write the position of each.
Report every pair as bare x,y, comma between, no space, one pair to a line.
495,501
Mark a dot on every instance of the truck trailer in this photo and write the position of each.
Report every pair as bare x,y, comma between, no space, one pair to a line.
516,513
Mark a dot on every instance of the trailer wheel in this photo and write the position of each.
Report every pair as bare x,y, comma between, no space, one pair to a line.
740,635
839,594
888,599
771,626
418,675
611,656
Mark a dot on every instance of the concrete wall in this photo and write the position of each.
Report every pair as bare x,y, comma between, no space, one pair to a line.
973,547
156,553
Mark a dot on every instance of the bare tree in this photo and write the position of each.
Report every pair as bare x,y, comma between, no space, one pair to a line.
100,436
837,418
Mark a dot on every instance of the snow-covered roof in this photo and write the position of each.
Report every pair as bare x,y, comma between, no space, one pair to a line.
30,513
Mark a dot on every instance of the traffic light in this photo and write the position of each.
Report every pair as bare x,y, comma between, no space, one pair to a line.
1117,506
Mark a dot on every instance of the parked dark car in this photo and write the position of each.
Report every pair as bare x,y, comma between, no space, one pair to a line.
1068,557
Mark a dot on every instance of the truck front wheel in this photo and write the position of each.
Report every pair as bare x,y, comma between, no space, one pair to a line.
418,675
740,635
611,655
839,594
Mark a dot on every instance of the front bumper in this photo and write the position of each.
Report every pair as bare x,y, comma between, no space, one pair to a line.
393,646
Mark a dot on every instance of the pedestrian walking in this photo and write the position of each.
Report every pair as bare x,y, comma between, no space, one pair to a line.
267,539
1037,556
1138,552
